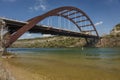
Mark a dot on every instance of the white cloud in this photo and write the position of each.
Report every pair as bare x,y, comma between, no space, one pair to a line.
39,5
99,23
9,0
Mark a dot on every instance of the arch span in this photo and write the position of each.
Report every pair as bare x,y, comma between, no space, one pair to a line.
63,12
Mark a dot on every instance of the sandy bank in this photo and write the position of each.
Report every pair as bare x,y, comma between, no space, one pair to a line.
11,72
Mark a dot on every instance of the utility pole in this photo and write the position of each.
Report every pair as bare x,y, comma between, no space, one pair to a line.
2,49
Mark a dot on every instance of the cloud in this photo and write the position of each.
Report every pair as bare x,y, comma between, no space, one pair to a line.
9,0
39,5
99,23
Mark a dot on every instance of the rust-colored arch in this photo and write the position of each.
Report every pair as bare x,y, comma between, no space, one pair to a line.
56,12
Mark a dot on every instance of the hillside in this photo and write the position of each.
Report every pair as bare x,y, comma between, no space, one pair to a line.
56,41
61,41
113,39
108,41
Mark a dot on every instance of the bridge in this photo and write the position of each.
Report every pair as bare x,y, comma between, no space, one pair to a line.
82,22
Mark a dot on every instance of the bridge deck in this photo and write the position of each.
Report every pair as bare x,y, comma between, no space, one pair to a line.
14,25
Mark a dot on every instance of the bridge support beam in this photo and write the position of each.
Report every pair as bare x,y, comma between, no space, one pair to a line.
2,41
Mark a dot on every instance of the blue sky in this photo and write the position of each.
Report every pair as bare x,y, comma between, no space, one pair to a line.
104,13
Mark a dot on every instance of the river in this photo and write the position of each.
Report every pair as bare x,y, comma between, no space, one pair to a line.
65,63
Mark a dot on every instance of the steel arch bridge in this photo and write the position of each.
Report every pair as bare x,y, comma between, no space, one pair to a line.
73,14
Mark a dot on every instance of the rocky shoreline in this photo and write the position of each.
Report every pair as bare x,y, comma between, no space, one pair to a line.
109,42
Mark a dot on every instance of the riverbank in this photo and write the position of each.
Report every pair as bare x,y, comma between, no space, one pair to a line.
108,41
13,72
64,42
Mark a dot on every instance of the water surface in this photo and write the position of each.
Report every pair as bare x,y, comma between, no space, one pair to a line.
65,63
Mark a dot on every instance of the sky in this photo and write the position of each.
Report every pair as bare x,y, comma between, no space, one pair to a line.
105,14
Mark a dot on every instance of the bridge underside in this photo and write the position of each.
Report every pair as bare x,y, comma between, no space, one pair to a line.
15,25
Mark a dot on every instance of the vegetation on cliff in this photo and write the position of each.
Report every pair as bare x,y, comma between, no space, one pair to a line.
47,42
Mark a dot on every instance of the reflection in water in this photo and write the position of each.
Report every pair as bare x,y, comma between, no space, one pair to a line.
65,63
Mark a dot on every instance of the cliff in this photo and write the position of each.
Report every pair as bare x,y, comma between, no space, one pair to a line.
61,41
109,42
56,41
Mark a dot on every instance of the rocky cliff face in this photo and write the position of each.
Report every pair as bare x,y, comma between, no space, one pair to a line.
116,31
109,42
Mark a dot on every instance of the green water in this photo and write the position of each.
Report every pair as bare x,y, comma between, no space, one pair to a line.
66,63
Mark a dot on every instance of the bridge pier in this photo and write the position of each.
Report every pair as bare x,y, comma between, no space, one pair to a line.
2,41
91,42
